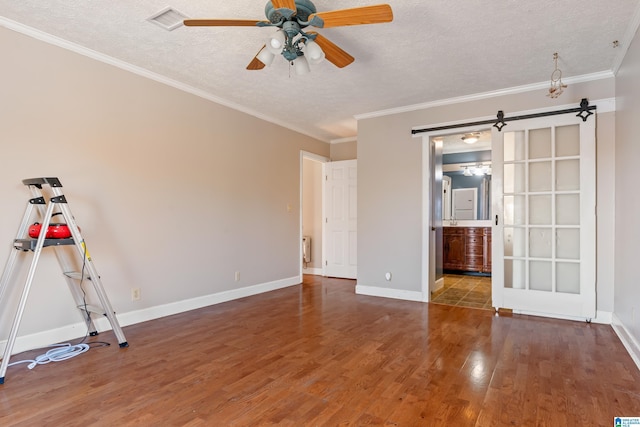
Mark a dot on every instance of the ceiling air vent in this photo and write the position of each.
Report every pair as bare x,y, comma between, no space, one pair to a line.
168,18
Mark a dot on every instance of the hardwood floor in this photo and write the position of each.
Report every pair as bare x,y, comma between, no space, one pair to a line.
320,355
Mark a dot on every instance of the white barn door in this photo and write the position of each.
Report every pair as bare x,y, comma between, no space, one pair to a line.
341,219
544,207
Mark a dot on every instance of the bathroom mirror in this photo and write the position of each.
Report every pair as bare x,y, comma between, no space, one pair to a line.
466,180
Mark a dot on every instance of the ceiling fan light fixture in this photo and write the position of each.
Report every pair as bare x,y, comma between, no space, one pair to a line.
301,65
276,42
297,47
266,57
314,52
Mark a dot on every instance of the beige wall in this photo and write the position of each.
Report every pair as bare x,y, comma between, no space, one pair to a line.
627,202
173,193
390,185
344,151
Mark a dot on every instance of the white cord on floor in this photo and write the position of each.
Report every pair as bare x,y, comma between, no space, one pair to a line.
58,354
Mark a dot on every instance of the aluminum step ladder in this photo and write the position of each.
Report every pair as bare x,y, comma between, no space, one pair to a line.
56,205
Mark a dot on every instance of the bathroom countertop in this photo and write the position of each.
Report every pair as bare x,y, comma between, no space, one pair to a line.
468,223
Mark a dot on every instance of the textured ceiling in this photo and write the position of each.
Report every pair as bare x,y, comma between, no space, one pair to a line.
432,51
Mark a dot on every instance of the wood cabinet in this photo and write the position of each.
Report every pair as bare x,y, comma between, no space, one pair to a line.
486,268
454,248
467,249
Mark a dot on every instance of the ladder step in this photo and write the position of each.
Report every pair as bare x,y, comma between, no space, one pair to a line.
76,275
93,309
30,244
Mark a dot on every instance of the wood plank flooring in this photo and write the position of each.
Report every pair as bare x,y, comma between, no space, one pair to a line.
320,355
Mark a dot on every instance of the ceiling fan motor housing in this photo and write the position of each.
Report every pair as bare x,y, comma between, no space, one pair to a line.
304,8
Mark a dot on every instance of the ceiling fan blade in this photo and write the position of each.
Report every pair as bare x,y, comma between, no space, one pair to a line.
255,63
357,16
332,52
222,22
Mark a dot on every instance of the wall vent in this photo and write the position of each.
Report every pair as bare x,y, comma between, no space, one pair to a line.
168,18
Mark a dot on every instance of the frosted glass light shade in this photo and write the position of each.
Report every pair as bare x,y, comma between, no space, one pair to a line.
470,139
266,57
313,52
301,65
275,43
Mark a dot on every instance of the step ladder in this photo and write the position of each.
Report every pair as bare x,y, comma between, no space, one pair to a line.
56,205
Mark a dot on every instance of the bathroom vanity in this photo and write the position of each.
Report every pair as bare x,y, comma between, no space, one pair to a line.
467,248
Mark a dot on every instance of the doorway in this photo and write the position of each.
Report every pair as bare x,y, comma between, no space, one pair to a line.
543,216
311,211
460,246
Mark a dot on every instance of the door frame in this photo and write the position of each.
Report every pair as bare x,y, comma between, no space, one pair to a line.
428,270
321,159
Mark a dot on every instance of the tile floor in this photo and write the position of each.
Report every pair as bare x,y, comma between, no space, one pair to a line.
465,291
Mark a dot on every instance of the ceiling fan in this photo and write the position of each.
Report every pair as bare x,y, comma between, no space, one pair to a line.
297,46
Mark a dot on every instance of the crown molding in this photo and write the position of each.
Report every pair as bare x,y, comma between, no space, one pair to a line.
341,140
74,47
484,95
143,72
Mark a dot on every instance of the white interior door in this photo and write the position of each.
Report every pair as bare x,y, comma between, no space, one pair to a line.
341,219
544,205
446,197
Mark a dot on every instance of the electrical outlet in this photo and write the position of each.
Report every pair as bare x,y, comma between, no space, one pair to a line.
135,294
237,276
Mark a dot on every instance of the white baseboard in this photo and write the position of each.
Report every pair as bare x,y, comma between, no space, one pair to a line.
602,317
72,332
630,343
376,291
314,271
